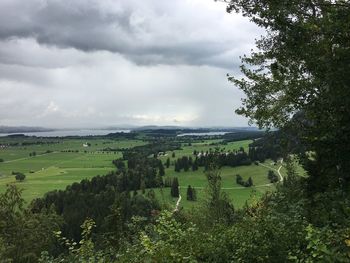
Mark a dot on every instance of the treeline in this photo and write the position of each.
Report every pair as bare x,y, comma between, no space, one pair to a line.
267,147
94,198
153,148
219,157
242,135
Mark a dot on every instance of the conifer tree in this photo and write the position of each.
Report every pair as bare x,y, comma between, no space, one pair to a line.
189,193
175,188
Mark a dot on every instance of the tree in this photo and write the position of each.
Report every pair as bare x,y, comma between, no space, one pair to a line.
189,193
167,164
217,206
143,186
24,234
159,180
249,182
272,176
173,155
239,179
20,176
161,169
177,166
175,188
194,194
298,80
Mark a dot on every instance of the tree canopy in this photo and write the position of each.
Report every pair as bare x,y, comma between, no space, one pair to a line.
298,78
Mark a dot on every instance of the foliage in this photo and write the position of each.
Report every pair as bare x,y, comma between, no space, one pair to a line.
272,176
167,241
174,192
20,176
24,234
217,208
191,193
248,183
298,80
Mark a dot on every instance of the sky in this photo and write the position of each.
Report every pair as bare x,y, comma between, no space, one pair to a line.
99,63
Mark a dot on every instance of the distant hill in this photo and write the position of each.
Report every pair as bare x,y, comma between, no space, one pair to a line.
195,129
19,129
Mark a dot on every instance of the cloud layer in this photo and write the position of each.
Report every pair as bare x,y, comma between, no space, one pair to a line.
93,62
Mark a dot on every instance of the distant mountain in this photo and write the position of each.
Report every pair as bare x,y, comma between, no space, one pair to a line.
18,129
195,129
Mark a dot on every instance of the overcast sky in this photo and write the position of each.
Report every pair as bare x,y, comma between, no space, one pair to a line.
109,62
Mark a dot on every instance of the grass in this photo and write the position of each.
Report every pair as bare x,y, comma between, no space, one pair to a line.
56,169
238,194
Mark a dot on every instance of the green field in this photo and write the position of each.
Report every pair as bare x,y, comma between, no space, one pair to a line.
63,161
237,193
59,168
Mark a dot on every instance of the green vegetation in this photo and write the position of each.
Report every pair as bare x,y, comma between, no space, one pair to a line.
59,161
299,82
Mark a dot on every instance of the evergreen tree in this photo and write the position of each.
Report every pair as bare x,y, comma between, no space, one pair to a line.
167,164
189,193
143,186
185,163
177,166
194,194
161,169
159,180
239,179
249,183
175,188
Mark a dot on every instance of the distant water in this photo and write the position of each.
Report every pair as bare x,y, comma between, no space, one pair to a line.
62,133
202,134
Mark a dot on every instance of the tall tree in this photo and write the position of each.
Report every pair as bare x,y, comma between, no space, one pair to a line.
175,188
189,193
299,79
167,164
161,169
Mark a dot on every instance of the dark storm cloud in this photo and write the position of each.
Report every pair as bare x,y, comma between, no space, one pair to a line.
166,33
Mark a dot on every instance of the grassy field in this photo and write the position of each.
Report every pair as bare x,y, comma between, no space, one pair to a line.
238,194
62,161
68,161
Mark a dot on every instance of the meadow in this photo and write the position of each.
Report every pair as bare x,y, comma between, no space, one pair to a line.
59,162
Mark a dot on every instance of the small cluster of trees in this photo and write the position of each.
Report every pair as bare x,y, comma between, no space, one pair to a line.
272,176
32,154
1,160
233,159
191,193
240,181
39,143
186,163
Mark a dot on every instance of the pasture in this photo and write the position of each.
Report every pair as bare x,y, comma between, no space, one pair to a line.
59,162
